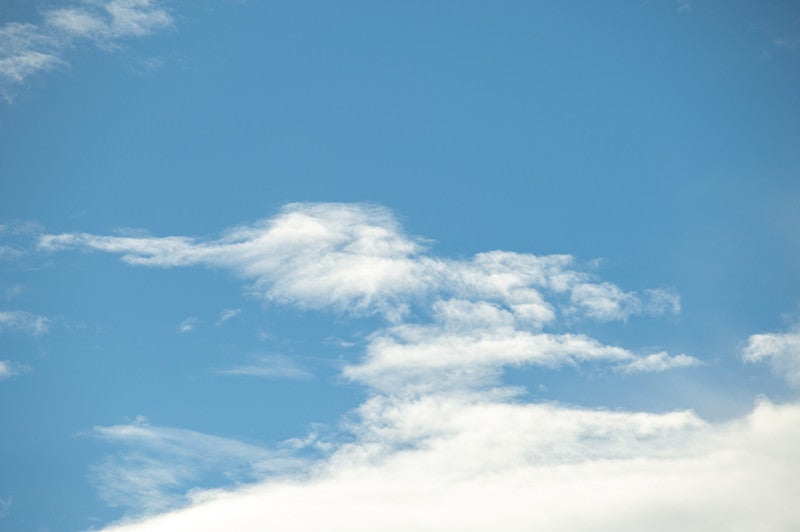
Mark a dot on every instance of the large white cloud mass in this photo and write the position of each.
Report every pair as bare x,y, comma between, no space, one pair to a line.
441,444
476,463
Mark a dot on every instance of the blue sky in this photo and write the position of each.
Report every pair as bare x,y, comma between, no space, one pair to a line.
263,264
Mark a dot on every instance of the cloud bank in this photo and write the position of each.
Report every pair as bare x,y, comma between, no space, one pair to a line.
440,444
473,463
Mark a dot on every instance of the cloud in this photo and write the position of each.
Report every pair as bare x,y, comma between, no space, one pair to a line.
159,464
460,319
17,236
24,51
27,49
439,444
106,21
416,357
24,322
12,291
658,362
357,258
188,325
228,314
473,463
10,369
10,253
314,256
273,367
781,350
26,227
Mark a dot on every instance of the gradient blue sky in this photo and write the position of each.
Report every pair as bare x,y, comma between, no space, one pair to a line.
655,142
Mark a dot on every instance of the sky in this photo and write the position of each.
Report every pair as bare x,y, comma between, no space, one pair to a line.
418,265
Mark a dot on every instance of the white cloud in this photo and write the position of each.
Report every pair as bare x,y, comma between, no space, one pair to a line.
604,301
357,258
314,256
465,318
659,301
658,362
109,20
417,357
473,463
435,446
272,366
159,464
782,350
228,314
188,325
27,49
25,322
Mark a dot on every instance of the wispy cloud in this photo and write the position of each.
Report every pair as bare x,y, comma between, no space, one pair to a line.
12,291
781,350
228,314
188,324
25,322
272,366
159,464
16,238
10,253
30,48
9,369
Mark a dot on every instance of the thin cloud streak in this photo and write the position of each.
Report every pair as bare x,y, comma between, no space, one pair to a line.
228,314
271,367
